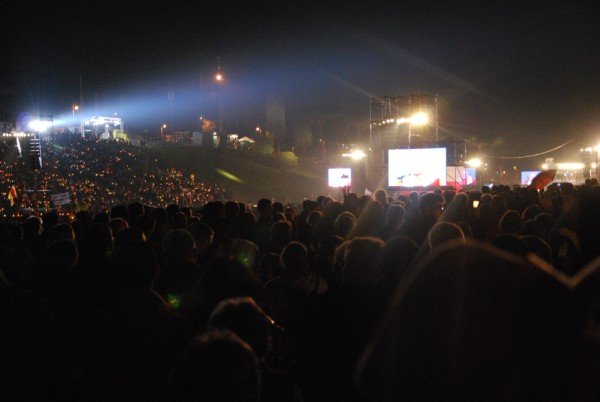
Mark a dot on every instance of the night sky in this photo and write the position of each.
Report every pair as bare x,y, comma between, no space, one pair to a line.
526,76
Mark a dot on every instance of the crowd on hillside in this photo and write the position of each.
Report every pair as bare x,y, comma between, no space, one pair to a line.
490,295
99,174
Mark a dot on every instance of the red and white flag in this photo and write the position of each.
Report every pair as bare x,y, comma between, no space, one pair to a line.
12,195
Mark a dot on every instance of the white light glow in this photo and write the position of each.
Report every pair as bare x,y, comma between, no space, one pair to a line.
475,162
16,134
544,166
419,119
39,126
570,166
355,155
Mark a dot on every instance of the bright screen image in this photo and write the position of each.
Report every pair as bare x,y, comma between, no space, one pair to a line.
340,177
460,176
419,167
528,175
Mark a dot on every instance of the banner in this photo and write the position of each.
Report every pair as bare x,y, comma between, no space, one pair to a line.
61,199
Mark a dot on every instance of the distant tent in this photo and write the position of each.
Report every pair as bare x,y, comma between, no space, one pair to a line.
246,142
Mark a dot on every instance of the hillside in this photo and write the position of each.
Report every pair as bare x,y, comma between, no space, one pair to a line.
248,174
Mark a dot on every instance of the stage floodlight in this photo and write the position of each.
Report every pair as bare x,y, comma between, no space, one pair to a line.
475,162
39,126
355,155
419,119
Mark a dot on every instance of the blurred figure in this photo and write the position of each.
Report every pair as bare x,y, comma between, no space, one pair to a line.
417,225
246,319
216,367
443,232
470,313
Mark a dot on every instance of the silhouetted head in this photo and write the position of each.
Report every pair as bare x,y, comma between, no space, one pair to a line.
179,246
117,224
381,196
443,232
62,231
178,220
97,239
119,211
361,261
295,260
270,267
246,319
232,210
395,216
135,210
511,222
146,223
431,204
134,265
344,224
60,257
129,236
511,243
216,367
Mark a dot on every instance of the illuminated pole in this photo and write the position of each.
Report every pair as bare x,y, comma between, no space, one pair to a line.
219,78
171,97
370,124
409,124
74,109
436,121
161,131
80,91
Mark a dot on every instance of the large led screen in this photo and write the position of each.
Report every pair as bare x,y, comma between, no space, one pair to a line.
419,167
340,177
528,175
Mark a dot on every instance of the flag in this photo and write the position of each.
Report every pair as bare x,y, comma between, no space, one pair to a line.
12,195
61,199
542,179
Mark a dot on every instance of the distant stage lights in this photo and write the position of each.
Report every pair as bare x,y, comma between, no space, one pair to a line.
419,119
17,134
475,162
39,126
570,166
355,155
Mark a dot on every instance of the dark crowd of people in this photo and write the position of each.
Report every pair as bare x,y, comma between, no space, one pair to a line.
490,295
